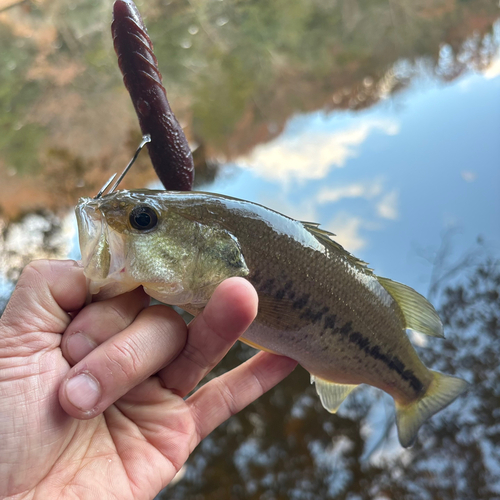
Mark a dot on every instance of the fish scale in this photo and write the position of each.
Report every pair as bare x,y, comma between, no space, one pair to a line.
318,304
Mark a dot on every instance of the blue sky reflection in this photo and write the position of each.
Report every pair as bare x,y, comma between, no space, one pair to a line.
389,180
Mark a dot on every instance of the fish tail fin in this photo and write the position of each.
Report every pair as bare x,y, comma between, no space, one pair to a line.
441,392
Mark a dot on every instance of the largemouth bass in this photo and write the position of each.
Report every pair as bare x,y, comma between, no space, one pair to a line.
318,304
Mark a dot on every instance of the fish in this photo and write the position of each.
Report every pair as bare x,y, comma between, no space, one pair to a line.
318,304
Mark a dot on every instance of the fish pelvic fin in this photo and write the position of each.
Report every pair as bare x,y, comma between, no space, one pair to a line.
443,390
256,346
418,312
331,394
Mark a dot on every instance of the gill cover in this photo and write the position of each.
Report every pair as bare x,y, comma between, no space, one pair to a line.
130,239
210,256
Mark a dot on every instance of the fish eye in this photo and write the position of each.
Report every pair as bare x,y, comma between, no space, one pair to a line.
143,218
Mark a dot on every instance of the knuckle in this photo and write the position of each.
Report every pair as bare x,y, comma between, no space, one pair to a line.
31,273
258,379
226,396
124,357
120,316
168,315
32,293
196,357
38,265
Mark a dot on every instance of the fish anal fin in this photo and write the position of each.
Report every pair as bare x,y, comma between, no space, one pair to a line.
331,394
418,312
442,391
256,346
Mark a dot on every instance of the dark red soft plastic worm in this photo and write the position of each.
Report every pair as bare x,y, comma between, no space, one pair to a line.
168,149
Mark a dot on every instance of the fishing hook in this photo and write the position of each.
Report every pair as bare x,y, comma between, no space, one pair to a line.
145,139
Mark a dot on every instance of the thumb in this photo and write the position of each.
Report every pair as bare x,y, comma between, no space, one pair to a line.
46,291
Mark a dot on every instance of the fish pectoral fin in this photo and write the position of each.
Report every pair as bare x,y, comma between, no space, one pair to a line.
256,346
331,394
441,392
418,312
275,311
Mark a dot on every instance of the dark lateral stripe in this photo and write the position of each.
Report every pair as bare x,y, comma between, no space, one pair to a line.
357,338
267,287
363,343
346,328
330,321
273,287
313,316
285,292
256,278
301,302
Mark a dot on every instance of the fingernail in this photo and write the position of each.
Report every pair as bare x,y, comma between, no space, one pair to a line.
83,391
78,346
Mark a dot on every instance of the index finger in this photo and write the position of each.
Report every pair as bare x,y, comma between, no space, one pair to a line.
231,309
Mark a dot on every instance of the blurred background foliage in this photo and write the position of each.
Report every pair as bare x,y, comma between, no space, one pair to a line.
235,71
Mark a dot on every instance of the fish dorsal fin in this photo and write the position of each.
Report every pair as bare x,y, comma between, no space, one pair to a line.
326,239
418,312
332,395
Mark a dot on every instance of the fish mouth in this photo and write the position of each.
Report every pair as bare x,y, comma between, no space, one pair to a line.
102,248
92,236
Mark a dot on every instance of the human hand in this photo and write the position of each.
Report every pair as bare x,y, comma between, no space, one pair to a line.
62,439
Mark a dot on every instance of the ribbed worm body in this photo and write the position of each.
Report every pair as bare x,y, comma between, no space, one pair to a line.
168,149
